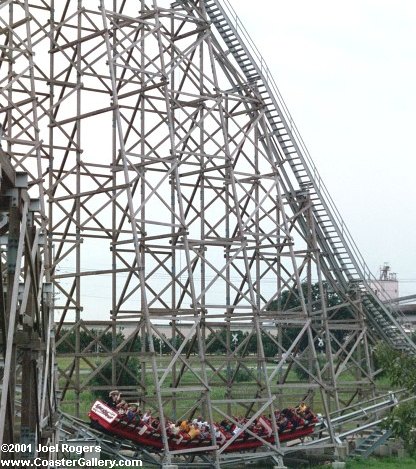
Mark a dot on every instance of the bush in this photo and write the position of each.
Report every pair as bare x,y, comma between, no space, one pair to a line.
124,378
301,373
242,375
400,368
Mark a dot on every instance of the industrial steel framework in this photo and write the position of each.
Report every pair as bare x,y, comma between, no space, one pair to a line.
176,201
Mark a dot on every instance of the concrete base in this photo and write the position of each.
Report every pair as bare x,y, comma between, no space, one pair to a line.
92,455
341,452
402,453
169,466
393,445
339,465
385,450
279,467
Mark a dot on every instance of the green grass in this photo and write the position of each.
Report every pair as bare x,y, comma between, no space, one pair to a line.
245,389
68,405
382,463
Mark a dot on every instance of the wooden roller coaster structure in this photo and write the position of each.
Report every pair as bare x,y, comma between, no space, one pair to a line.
164,230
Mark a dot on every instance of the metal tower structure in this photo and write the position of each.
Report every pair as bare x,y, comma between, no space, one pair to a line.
175,193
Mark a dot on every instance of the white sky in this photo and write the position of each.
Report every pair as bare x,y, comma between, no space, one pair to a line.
347,71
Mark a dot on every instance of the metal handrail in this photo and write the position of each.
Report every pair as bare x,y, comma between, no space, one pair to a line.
363,271
269,79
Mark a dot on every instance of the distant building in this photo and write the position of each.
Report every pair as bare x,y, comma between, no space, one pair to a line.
387,289
387,286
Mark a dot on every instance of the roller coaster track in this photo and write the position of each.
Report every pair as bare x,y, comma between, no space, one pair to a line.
343,258
362,417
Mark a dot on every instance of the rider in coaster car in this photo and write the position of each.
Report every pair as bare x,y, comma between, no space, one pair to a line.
132,413
194,431
113,399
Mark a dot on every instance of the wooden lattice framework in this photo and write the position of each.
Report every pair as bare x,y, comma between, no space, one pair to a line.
172,186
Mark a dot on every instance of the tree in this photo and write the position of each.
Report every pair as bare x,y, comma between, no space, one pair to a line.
400,368
124,377
290,300
86,338
216,341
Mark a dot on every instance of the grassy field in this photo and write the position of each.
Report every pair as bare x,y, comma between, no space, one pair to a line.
244,388
382,463
372,463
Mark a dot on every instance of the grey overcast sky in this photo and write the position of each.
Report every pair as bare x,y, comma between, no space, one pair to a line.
347,71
